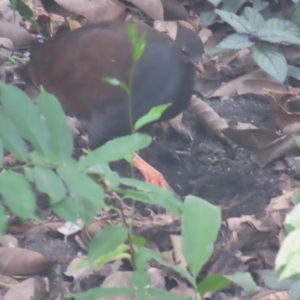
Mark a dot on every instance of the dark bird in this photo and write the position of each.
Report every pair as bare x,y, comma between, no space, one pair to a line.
72,66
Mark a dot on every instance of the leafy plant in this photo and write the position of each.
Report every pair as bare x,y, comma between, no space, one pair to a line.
73,190
258,34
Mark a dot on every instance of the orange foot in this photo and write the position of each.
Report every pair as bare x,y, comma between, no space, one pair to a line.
151,175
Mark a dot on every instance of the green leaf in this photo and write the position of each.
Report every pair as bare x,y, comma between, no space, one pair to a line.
244,280
138,241
25,12
236,41
29,173
102,292
121,252
106,241
153,115
292,220
260,4
254,17
11,140
140,279
201,222
207,17
143,255
23,113
271,60
288,258
115,150
1,152
3,220
239,23
277,36
60,136
70,209
293,14
232,6
139,47
17,194
293,72
159,294
285,26
132,32
151,194
212,283
49,183
82,186
116,82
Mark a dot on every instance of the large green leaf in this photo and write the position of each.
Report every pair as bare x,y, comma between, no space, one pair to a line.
24,114
10,138
254,17
82,186
49,183
236,41
232,6
60,137
288,258
294,72
105,241
115,150
17,194
239,23
271,60
201,222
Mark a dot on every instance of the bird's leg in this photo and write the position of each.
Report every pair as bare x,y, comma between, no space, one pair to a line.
150,174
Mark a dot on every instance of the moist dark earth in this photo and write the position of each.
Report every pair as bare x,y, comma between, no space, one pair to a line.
203,166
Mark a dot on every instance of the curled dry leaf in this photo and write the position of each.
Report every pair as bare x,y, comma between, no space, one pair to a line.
174,10
274,150
74,271
230,89
279,102
109,12
16,261
77,7
179,257
271,295
32,288
252,139
153,8
178,125
17,34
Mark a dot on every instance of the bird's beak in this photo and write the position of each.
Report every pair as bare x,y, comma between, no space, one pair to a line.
199,67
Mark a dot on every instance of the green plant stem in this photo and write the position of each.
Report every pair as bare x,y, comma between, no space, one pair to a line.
129,227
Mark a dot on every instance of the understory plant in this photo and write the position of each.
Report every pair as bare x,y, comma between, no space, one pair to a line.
74,191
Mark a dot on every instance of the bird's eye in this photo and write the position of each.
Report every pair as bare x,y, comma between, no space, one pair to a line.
184,50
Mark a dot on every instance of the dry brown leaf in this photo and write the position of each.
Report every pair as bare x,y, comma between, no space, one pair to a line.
230,89
74,271
153,8
256,87
293,128
109,12
271,295
179,257
280,109
178,125
17,34
207,116
7,14
77,7
252,139
185,292
32,288
168,27
6,282
174,10
274,150
16,261
9,241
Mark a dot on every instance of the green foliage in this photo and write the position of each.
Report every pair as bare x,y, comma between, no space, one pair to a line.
255,29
